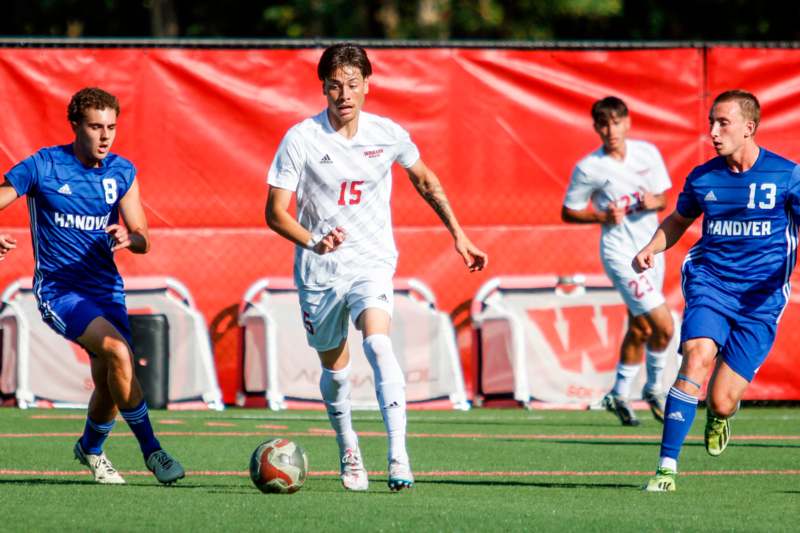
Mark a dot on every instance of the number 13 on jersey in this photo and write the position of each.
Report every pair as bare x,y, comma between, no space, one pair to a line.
350,192
769,189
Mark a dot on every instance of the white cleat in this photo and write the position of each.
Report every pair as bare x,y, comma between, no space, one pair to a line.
166,468
99,465
400,476
353,474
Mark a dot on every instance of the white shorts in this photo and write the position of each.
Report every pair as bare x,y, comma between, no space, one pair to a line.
326,312
642,292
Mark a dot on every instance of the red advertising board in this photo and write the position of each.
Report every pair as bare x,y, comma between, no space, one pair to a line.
502,129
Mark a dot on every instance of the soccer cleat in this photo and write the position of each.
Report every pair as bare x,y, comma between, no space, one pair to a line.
663,481
353,474
400,476
620,407
657,403
717,434
166,468
99,465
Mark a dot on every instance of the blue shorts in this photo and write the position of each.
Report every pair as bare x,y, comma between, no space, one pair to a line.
743,342
69,314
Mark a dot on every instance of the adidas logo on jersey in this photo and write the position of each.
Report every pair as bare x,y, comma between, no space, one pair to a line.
710,197
65,189
677,416
383,298
326,159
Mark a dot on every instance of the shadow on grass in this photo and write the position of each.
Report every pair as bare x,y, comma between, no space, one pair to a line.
648,443
46,481
657,442
211,488
761,445
537,484
528,424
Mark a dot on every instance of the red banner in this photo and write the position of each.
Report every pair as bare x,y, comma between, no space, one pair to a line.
502,129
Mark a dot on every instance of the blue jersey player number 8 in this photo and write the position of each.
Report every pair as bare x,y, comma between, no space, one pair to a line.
84,206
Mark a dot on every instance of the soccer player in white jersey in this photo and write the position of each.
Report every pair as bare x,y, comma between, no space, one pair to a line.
338,163
621,186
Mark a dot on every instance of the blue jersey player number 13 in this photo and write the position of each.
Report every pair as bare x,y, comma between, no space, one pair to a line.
735,278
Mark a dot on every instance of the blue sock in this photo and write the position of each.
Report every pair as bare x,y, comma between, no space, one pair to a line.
678,417
139,422
94,435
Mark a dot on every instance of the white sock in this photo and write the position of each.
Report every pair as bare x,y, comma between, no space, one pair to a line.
668,462
335,388
655,370
390,389
625,376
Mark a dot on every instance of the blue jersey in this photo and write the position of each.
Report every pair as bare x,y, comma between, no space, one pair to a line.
70,206
743,261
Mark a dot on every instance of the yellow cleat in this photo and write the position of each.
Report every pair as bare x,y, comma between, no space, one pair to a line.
717,434
663,481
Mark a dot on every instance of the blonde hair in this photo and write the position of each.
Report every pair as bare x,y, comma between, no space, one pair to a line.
748,103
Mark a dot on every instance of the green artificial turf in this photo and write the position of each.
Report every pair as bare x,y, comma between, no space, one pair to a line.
483,470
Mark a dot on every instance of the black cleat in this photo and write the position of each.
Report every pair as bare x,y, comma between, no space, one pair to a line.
620,407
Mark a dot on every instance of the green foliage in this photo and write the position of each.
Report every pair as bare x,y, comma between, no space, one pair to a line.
413,19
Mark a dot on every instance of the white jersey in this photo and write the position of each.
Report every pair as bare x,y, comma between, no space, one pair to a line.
345,183
601,179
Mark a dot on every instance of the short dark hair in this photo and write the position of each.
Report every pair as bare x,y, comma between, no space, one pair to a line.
748,103
340,55
610,106
90,98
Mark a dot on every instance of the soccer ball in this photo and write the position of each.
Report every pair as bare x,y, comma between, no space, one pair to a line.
278,466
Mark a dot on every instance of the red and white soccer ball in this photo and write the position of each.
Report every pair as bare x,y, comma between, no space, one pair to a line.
278,466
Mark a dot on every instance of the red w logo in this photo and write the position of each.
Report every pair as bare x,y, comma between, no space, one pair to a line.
583,334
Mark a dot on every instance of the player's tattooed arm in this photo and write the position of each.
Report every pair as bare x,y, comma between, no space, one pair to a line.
430,188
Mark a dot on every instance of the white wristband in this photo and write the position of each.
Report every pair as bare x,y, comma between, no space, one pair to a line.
310,244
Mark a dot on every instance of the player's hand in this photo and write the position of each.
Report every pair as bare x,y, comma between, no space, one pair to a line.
120,235
474,258
7,243
614,214
649,201
331,241
644,260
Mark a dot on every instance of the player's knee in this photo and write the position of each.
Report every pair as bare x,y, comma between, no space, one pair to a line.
116,353
379,352
334,378
722,405
661,337
639,333
696,363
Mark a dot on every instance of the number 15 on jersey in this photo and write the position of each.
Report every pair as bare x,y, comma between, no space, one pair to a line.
350,192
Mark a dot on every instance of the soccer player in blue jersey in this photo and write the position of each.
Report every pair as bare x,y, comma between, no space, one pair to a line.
735,278
84,205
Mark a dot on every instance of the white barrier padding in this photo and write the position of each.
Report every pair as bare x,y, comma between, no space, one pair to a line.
279,362
545,344
40,365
